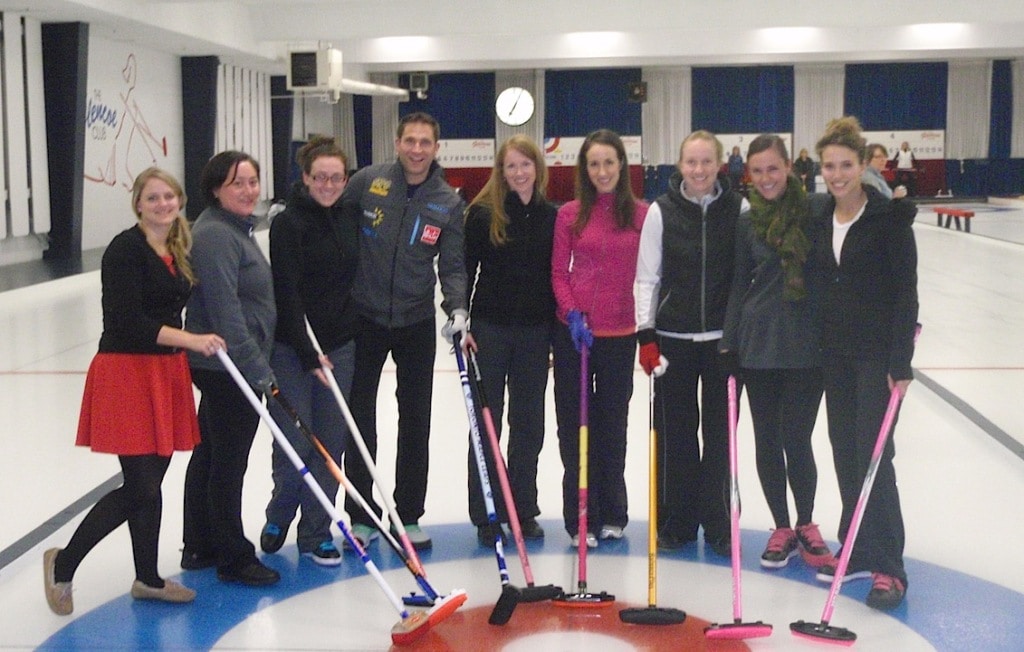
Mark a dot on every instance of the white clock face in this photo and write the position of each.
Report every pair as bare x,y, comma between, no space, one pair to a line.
514,106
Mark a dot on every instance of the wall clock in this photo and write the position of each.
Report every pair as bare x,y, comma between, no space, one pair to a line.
514,106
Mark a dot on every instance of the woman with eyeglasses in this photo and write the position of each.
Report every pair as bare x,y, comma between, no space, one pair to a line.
314,246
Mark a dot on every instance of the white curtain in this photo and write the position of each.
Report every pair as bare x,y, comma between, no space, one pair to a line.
1017,135
385,120
968,109
533,81
819,91
667,113
345,128
243,116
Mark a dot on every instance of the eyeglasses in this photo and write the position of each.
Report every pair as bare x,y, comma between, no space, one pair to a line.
322,178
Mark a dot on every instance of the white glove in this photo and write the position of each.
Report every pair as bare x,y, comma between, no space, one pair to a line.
661,368
457,323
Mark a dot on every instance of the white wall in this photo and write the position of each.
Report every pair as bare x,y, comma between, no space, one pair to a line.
133,121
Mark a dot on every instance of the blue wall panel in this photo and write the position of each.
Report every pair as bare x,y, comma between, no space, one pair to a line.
737,100
463,103
577,102
897,96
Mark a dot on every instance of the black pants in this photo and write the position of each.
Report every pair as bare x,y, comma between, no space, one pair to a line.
516,357
610,388
213,481
784,406
693,480
856,395
138,501
413,349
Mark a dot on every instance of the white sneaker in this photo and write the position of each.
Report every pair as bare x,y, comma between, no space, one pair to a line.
610,532
591,540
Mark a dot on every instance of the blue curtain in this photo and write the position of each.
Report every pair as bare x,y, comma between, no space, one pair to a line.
1001,122
897,96
736,100
463,103
281,111
577,102
362,111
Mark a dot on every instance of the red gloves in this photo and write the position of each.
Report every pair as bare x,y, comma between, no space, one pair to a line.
650,357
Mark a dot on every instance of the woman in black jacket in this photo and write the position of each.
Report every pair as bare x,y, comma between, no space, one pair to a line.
138,401
509,231
314,248
869,316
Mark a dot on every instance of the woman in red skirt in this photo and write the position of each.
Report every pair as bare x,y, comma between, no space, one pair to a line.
138,401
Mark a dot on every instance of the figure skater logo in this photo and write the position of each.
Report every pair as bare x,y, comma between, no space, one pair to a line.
133,146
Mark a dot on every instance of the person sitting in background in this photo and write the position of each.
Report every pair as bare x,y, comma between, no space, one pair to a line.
138,401
878,160
804,168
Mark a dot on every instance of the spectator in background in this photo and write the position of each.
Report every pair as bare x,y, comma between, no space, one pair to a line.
593,263
878,160
314,249
804,169
736,169
138,400
684,274
906,168
509,231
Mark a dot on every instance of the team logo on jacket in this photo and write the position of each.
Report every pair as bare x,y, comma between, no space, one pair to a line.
380,186
430,234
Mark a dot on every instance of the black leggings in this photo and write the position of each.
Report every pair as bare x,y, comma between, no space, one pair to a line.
138,500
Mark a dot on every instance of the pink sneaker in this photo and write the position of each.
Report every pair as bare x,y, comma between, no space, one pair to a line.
886,592
782,545
812,547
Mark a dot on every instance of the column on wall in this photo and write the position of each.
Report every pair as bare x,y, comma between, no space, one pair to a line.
818,90
385,120
243,117
532,81
666,114
968,97
1017,137
24,176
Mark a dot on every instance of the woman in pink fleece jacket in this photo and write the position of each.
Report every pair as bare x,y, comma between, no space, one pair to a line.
593,264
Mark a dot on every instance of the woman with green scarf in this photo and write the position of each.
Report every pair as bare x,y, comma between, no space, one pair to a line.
772,325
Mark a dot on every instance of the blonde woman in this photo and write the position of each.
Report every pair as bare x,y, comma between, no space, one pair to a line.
138,401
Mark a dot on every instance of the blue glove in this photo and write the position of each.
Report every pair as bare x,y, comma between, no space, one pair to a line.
579,330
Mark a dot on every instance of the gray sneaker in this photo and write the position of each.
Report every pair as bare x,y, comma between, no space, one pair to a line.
364,534
420,539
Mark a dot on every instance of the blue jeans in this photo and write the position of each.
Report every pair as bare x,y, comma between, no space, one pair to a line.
319,411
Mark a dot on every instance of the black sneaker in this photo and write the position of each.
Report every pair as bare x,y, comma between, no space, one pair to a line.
486,534
325,554
827,573
272,537
669,541
721,546
531,529
251,573
196,560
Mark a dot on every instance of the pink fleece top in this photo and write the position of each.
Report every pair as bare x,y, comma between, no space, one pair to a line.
594,272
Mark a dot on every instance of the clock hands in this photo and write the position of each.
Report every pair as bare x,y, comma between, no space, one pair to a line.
512,110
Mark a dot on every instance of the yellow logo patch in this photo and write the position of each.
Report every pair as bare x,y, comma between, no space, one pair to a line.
380,186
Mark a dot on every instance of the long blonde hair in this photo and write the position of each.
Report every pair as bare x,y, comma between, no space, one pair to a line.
179,237
493,194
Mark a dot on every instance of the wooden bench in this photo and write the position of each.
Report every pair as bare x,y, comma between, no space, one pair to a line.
954,214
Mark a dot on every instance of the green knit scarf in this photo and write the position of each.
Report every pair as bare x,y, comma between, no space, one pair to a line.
779,224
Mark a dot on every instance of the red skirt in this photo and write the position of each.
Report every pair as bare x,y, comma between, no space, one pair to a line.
138,404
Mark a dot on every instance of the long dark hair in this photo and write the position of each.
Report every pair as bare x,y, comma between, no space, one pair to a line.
624,204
